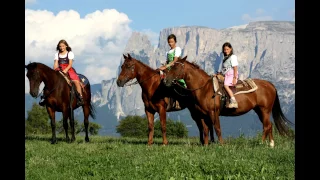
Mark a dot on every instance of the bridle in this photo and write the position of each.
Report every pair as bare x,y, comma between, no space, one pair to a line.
181,72
36,77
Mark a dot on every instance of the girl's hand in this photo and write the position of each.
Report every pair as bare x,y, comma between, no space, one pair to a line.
162,68
65,71
234,81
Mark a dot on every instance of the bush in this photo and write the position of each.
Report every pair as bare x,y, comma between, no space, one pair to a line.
137,126
133,126
38,121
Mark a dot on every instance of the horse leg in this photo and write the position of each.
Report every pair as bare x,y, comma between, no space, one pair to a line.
65,117
211,133
216,124
200,127
163,117
210,128
264,116
205,132
73,138
203,129
150,117
86,111
51,113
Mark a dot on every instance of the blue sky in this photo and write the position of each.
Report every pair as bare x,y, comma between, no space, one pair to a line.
156,15
84,23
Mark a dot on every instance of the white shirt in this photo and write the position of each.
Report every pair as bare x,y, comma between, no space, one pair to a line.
234,62
177,52
70,55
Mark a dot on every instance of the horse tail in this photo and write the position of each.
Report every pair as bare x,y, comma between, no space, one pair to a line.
279,118
92,111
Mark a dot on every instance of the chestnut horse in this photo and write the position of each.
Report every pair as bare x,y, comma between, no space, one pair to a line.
60,97
263,100
154,95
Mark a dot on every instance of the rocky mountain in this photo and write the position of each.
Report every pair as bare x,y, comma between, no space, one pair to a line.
265,50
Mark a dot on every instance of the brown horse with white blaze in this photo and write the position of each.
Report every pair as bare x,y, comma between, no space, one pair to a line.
154,95
263,100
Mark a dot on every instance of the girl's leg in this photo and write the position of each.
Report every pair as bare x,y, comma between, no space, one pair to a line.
228,82
77,83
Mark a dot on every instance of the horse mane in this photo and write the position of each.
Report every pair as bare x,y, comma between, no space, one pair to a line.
192,64
43,67
145,65
33,65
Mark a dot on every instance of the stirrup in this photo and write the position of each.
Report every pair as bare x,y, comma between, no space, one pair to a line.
80,101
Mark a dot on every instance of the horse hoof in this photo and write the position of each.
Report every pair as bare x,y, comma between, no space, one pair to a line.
272,144
86,139
53,141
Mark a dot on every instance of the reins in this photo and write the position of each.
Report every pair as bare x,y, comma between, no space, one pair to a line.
174,81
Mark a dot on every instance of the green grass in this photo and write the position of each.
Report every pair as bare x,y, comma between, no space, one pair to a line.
131,158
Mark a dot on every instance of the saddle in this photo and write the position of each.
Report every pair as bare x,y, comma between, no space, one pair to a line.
83,80
242,87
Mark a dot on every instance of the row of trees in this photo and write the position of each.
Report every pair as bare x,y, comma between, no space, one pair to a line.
38,122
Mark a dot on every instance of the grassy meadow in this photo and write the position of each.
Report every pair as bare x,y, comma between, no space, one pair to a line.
130,158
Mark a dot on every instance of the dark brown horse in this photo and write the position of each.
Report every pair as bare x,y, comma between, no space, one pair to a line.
155,97
60,97
263,100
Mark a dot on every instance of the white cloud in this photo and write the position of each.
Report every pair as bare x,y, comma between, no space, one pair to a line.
260,16
247,18
97,40
30,1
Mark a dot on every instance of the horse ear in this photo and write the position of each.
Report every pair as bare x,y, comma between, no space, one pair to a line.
129,56
25,66
185,58
124,56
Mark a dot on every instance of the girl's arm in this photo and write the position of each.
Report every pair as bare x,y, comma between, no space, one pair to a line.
55,61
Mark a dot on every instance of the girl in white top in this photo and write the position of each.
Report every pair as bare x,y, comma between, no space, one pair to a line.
172,56
63,61
229,67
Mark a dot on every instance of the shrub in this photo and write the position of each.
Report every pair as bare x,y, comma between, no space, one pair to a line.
137,126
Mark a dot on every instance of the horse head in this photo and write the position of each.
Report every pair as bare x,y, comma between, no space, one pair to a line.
175,72
127,71
33,74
